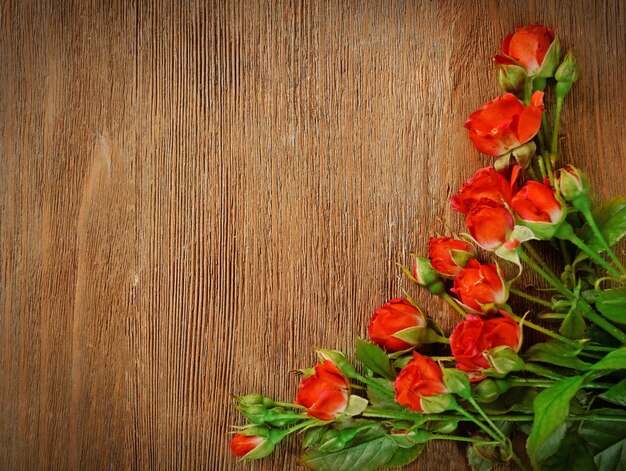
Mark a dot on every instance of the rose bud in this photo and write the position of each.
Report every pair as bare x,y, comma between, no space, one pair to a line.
251,446
420,387
534,48
572,183
511,77
537,206
486,184
425,276
473,340
480,287
398,325
448,256
325,393
566,75
490,225
505,124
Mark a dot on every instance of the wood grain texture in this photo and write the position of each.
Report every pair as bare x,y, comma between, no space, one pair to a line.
193,194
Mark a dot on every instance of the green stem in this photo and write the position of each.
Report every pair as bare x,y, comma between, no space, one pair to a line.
574,239
289,404
555,129
454,304
541,371
485,429
486,418
542,263
544,129
456,438
596,231
538,328
373,384
529,297
555,282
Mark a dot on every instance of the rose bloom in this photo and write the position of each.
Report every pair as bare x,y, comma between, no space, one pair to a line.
241,445
486,184
480,287
505,123
325,393
448,256
536,202
420,378
475,336
394,317
527,47
490,224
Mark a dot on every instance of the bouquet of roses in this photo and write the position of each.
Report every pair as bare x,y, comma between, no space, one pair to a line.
567,393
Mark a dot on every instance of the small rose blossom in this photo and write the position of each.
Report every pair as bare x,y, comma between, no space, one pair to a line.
490,224
397,317
505,124
527,47
241,445
572,183
480,287
486,184
473,338
536,202
325,393
421,378
448,256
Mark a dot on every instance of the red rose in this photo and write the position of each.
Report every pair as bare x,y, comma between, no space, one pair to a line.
536,202
473,338
420,378
241,445
480,287
490,224
448,256
396,325
527,47
486,184
325,393
505,123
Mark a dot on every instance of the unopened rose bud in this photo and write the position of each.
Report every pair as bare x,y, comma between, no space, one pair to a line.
511,78
252,447
397,325
566,74
489,390
449,256
504,360
539,209
572,184
251,400
457,382
426,276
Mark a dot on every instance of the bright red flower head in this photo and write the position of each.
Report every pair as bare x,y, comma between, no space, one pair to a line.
527,47
448,256
505,123
486,184
490,224
480,287
396,325
473,338
420,378
241,445
325,393
536,202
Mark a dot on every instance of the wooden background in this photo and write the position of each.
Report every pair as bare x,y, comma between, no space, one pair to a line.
193,194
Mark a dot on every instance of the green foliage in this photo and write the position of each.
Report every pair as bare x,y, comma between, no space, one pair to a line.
479,463
557,353
612,304
607,440
378,398
573,454
374,358
611,221
616,360
616,394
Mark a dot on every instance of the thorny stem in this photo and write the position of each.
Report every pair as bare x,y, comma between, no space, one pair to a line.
454,304
529,297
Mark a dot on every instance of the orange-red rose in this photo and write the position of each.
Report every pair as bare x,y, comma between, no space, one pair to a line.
448,256
420,378
473,338
480,287
490,224
505,123
536,202
486,184
396,325
241,445
325,393
527,47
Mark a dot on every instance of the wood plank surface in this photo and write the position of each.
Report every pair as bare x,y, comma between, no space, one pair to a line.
194,194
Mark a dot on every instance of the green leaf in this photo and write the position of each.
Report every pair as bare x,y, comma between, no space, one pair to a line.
602,434
613,458
356,405
374,358
617,394
551,407
378,398
611,221
573,455
404,456
556,353
616,360
477,462
573,326
367,451
612,304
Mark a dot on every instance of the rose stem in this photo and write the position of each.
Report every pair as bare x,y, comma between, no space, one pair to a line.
596,231
540,260
487,430
538,328
574,239
454,304
555,129
476,441
373,384
479,409
541,371
529,297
